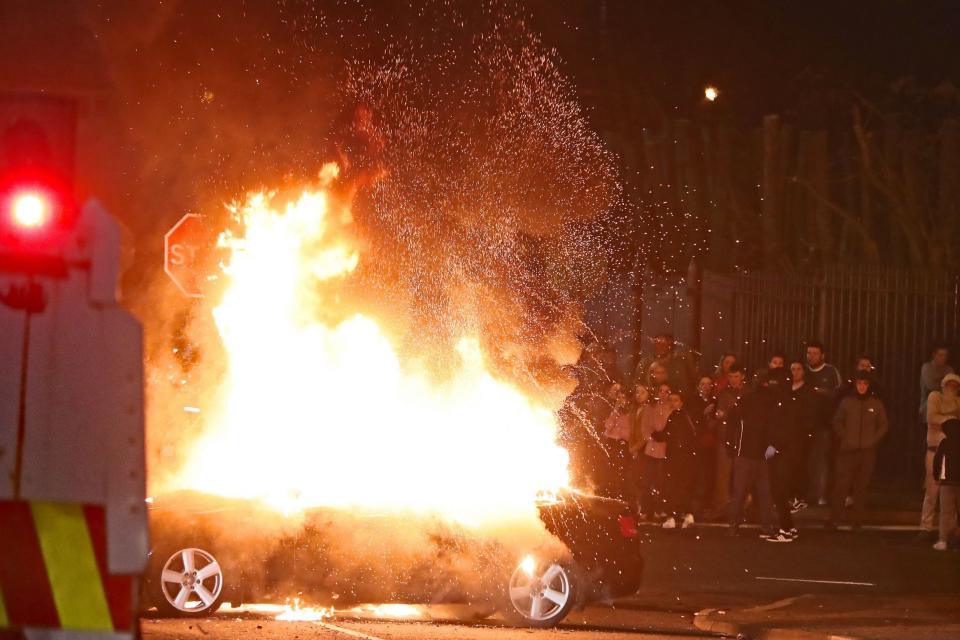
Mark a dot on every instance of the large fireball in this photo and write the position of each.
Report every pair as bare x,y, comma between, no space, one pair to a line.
318,409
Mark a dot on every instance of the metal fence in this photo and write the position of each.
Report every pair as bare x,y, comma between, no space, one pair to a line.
892,315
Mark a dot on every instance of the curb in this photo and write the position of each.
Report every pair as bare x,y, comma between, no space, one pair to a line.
704,620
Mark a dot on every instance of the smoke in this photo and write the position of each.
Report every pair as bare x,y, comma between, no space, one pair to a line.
337,558
482,198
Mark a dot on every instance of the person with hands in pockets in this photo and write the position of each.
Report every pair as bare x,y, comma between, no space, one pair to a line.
858,425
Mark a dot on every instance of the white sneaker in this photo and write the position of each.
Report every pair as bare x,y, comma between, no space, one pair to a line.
822,502
687,521
780,536
940,546
671,523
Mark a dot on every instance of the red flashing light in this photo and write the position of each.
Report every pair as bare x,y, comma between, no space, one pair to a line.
35,219
32,205
31,209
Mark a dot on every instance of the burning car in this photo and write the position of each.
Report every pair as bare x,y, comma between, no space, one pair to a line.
208,551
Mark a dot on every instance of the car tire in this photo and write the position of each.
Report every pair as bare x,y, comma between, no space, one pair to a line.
189,584
541,594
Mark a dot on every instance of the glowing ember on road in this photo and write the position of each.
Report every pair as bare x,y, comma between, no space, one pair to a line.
322,411
389,610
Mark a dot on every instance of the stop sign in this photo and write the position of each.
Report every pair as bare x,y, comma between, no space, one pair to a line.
185,248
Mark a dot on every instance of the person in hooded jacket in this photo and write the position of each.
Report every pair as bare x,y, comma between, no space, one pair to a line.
946,473
785,433
941,406
859,425
748,438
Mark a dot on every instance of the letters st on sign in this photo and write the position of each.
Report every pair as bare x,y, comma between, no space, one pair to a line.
186,250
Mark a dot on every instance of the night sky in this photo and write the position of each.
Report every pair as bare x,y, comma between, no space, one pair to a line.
198,99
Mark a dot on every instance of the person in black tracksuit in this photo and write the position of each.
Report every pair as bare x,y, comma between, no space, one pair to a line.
786,435
748,436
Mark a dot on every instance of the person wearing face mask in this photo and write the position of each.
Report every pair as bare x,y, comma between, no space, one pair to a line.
859,425
941,406
748,438
785,434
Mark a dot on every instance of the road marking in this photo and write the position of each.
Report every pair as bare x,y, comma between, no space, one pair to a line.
348,632
843,582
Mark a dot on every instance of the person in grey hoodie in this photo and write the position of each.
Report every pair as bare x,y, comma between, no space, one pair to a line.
859,425
941,406
931,377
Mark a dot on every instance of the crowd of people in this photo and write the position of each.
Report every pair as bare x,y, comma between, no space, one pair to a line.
686,447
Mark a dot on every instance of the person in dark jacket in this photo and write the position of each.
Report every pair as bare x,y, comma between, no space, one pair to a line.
802,413
727,400
786,440
825,380
680,437
946,471
748,437
702,407
859,425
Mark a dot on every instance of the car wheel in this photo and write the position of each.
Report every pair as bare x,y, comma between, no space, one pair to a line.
542,594
191,584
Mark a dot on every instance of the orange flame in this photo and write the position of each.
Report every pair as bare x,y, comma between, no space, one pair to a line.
314,412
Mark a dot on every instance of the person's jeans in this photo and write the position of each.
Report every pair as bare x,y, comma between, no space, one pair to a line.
819,465
751,476
782,474
706,475
949,505
853,472
722,478
652,497
928,515
801,469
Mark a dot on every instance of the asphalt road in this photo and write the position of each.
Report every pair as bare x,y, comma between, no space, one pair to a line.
686,571
243,628
703,567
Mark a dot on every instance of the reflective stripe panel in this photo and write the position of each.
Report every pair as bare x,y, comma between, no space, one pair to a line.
71,566
27,596
118,588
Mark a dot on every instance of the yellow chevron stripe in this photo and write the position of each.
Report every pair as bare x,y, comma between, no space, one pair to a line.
71,566
4,620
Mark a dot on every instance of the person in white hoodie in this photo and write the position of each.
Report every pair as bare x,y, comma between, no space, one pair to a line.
942,405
